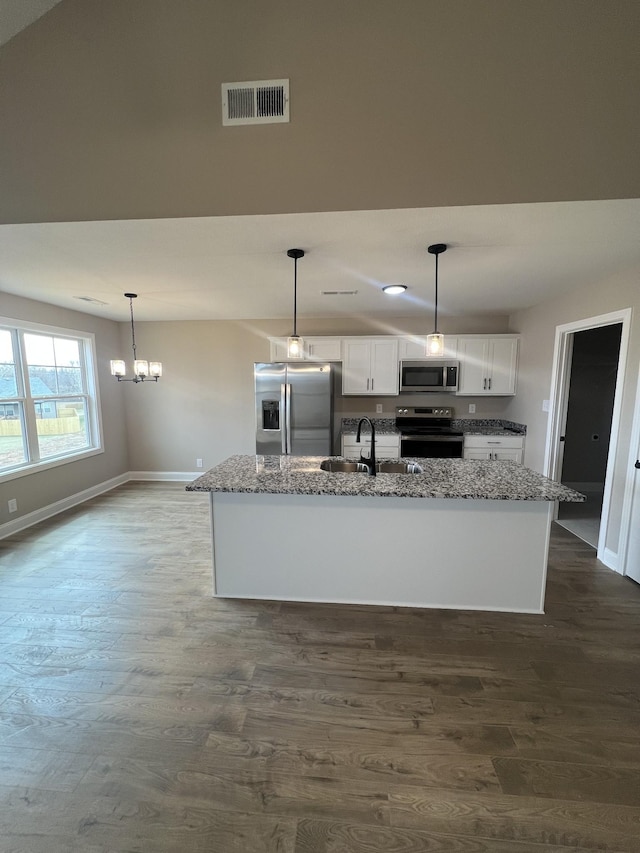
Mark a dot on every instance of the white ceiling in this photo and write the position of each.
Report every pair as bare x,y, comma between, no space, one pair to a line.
15,15
501,258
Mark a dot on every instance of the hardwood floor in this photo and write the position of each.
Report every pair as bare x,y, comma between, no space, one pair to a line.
138,713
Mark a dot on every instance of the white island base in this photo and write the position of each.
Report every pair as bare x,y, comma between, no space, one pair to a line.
429,552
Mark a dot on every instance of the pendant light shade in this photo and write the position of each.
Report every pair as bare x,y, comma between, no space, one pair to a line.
143,371
435,341
295,344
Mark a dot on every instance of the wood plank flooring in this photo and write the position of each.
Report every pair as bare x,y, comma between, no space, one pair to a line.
139,714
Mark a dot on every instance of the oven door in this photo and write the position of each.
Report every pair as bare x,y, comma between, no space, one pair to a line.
432,446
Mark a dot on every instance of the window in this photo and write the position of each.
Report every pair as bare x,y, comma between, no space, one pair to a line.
48,405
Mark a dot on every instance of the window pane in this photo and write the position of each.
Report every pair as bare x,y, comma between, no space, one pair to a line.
43,381
54,365
6,348
67,352
69,380
39,349
12,445
8,381
61,425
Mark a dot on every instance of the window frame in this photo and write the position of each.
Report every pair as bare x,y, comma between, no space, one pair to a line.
27,402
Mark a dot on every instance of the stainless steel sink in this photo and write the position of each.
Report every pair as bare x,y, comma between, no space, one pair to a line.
339,466
399,468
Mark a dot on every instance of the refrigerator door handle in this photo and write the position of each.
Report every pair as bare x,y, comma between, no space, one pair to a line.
283,417
288,416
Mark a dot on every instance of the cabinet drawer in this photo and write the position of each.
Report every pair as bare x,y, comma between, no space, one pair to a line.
494,442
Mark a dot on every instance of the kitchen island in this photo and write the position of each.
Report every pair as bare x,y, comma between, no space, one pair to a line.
463,534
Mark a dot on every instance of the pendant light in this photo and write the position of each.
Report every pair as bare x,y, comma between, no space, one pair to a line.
295,344
143,371
435,341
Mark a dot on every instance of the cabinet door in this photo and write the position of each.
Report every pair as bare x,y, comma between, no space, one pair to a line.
350,449
356,366
473,355
508,455
385,374
412,348
323,349
476,453
502,366
278,349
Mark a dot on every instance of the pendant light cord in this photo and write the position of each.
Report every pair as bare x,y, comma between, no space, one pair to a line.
133,331
295,297
435,317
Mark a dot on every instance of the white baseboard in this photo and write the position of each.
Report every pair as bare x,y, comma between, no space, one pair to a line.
38,515
610,559
171,476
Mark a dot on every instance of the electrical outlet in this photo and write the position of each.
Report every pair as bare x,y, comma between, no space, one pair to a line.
472,408
13,505
378,408
198,463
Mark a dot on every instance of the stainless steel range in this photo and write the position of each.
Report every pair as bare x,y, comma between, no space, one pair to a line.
426,432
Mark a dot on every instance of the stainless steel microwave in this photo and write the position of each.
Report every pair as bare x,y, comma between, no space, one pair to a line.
427,377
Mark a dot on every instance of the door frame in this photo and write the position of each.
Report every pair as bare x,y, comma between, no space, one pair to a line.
627,506
558,400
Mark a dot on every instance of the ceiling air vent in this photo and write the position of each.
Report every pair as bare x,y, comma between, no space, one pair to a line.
255,102
338,292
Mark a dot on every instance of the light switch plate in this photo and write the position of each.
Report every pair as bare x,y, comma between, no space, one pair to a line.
545,405
378,408
472,408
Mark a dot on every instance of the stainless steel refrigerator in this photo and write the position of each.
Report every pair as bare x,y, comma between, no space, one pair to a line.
294,408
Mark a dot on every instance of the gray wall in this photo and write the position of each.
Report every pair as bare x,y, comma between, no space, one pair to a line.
110,109
538,326
37,490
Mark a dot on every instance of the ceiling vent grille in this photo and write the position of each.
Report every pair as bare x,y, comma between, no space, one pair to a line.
338,292
255,102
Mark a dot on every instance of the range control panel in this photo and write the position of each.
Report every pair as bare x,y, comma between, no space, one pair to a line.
424,411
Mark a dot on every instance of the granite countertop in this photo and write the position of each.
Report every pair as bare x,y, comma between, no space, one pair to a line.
442,478
383,426
468,426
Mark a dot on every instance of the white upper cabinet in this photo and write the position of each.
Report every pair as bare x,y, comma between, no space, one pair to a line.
487,365
414,347
370,366
323,349
315,349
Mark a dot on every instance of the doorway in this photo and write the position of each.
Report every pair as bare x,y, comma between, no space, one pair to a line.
565,342
587,431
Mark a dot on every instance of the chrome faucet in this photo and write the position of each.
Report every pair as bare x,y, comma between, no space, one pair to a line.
371,461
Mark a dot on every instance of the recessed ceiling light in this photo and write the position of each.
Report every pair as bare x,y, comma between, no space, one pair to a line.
394,289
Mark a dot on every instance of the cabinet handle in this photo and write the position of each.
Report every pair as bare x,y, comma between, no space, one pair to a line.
484,384
372,381
489,384
367,383
494,442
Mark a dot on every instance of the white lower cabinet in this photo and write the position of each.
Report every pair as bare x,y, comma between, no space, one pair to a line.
387,446
494,448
